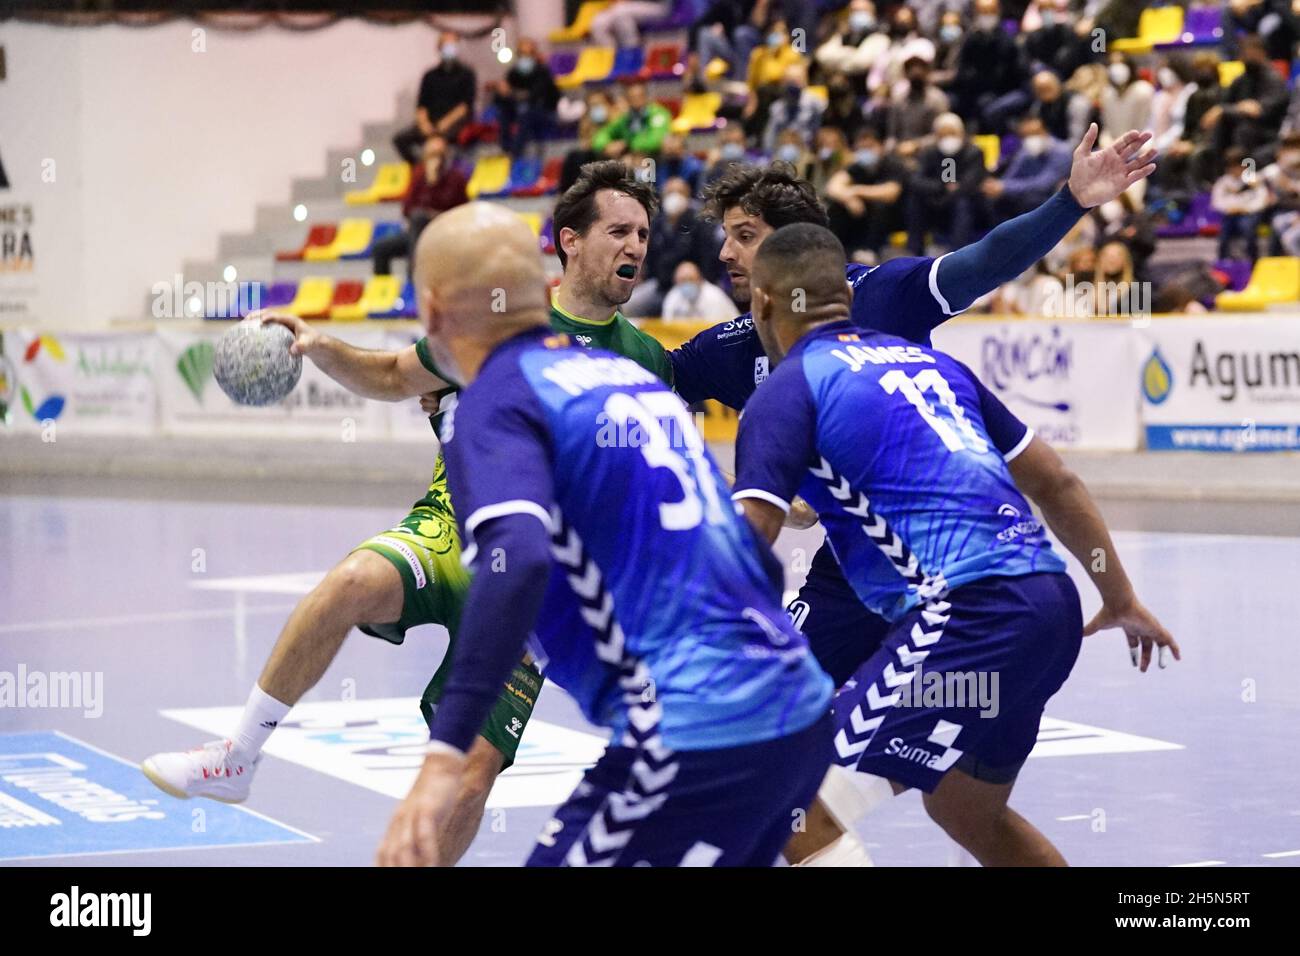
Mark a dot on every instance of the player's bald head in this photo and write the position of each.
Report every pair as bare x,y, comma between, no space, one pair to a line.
798,281
481,260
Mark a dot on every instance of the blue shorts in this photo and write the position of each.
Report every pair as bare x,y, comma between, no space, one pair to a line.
735,806
961,681
841,632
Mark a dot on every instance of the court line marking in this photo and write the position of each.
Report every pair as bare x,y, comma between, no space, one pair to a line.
1199,863
158,617
1075,816
1279,855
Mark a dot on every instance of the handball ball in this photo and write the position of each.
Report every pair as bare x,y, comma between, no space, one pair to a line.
253,365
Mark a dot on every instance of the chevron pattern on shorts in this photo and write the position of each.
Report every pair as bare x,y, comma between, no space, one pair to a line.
654,767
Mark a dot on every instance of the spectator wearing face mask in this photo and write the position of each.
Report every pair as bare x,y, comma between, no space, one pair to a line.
619,23
856,48
1254,105
525,99
692,297
677,234
640,128
675,162
445,102
991,77
1046,30
915,105
1126,103
843,109
766,76
830,154
791,148
864,198
730,149
436,186
949,36
1037,171
1241,197
944,191
1065,114
599,110
795,110
905,43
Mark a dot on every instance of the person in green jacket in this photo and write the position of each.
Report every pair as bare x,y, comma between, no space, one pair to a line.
641,128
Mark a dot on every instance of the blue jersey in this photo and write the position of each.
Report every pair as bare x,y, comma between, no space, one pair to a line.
894,446
727,362
659,586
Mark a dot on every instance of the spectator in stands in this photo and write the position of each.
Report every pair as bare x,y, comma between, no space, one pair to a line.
1175,297
693,297
436,186
676,163
843,110
1240,17
1125,220
1112,283
1064,112
1241,196
791,148
947,49
729,149
1126,102
1251,113
599,111
1037,293
864,198
1169,106
855,49
795,109
640,128
1038,169
619,24
1283,180
766,75
1047,32
830,155
525,99
445,103
905,43
991,79
914,108
677,234
944,191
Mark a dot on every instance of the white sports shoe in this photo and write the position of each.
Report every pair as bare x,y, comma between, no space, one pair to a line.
216,770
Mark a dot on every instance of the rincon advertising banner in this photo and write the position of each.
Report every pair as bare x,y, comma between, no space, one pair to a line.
1063,379
1217,384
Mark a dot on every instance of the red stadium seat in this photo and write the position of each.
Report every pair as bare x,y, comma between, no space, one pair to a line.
319,236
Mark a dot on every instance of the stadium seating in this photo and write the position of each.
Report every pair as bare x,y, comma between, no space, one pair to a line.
1200,219
1202,26
376,294
581,24
595,64
547,182
1156,25
392,181
628,64
313,298
683,14
352,240
279,294
1229,70
547,237
663,61
1274,279
562,62
991,147
347,295
523,173
318,236
534,220
491,173
699,111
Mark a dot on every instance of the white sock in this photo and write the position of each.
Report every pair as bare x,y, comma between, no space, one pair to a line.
262,714
848,850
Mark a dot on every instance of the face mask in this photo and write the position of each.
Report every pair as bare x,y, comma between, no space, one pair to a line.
1035,145
949,145
691,290
1167,78
986,23
950,33
916,82
732,151
526,64
789,153
675,204
901,29
1049,18
1119,73
449,51
861,21
598,114
825,153
866,157
774,40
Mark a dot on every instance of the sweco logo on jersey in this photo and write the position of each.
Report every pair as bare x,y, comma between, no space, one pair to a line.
736,327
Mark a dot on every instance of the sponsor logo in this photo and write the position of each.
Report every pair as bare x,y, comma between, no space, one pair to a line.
736,328
195,367
760,370
8,382
1016,358
1157,378
1019,527
1266,376
584,340
913,753
514,727
50,407
401,548
74,908
16,253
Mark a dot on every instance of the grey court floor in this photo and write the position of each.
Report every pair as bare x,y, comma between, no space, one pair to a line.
165,598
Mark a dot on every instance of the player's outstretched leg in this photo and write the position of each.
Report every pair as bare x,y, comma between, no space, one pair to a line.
975,814
363,587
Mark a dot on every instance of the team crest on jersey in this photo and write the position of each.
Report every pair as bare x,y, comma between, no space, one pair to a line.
760,370
557,341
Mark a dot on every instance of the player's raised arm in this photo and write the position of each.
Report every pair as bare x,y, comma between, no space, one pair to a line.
381,374
1010,248
1072,515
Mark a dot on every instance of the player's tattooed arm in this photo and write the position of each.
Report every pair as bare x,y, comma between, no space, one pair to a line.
1072,514
381,374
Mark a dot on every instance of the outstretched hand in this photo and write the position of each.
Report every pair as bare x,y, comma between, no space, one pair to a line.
1140,627
1100,176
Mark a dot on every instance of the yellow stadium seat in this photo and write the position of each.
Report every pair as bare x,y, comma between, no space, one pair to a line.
581,24
898,239
378,296
1156,25
313,298
1229,70
534,220
698,110
392,181
1274,279
820,93
991,147
595,63
353,237
491,173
